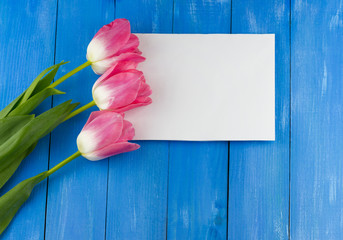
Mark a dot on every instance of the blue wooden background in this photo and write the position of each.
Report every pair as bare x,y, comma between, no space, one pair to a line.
290,188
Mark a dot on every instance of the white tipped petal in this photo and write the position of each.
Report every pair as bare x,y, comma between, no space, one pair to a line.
92,157
96,51
102,66
102,97
86,142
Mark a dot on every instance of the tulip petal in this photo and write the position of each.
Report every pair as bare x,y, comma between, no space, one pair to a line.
111,150
109,39
123,66
117,91
144,90
130,56
117,68
103,128
109,26
102,66
91,117
137,51
145,100
135,104
128,132
131,45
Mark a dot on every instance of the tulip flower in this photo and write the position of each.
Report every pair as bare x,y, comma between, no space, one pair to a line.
111,44
105,134
121,91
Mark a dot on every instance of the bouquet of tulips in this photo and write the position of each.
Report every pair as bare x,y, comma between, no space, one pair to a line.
113,52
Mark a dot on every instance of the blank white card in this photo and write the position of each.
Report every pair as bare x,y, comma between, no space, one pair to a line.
207,87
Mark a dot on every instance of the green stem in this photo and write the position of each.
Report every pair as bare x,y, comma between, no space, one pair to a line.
64,162
81,109
69,74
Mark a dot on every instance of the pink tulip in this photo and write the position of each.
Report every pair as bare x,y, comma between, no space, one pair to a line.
105,134
120,89
111,44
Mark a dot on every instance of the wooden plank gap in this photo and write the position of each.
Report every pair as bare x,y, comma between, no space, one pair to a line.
52,104
290,120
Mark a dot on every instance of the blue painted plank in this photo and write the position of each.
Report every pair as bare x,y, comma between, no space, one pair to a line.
259,171
77,193
137,187
317,130
27,40
197,197
195,16
148,16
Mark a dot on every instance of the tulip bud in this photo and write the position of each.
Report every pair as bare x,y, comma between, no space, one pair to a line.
120,91
111,44
105,134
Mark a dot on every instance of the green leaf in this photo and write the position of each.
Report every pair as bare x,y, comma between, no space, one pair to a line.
10,125
44,81
34,130
15,198
33,102
33,85
4,112
36,86
7,170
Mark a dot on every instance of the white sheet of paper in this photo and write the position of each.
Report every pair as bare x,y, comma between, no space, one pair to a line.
207,87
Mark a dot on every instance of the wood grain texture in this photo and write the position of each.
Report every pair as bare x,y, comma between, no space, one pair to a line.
178,190
77,193
27,39
197,197
259,171
137,187
317,130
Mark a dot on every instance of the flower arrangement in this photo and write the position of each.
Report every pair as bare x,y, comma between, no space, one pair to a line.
112,53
